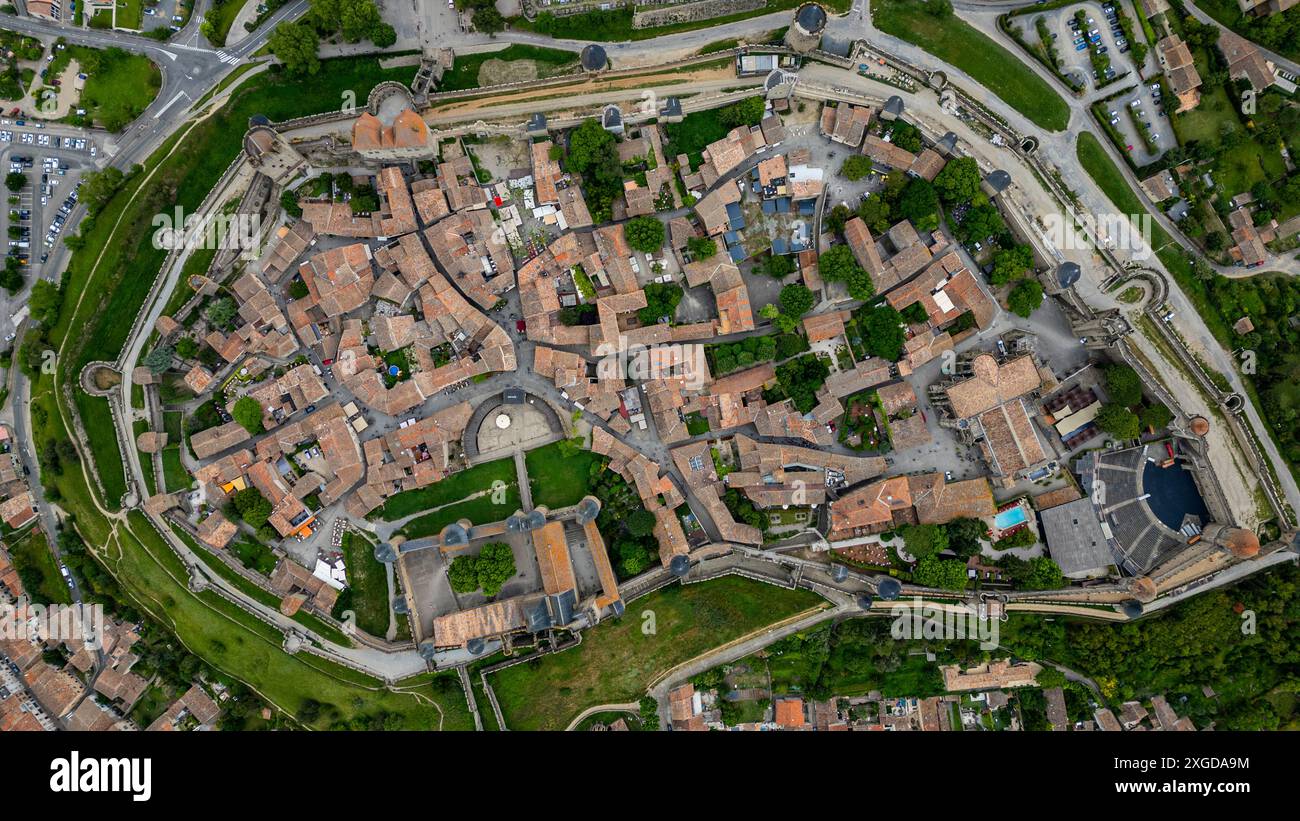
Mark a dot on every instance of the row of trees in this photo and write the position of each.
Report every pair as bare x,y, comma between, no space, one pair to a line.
296,44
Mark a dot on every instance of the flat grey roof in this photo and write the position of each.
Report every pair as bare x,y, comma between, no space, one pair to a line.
1074,538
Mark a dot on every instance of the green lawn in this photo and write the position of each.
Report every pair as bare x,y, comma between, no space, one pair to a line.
958,43
130,14
616,25
558,480
550,62
101,437
37,569
222,17
455,487
617,659
119,85
368,584
479,511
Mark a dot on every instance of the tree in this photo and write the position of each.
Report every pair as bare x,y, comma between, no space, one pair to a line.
461,574
488,20
701,247
187,347
662,299
641,523
920,204
964,536
44,301
384,35
838,264
1123,384
252,506
248,412
980,221
882,331
800,378
1025,298
748,111
874,211
796,299
1011,264
856,167
1044,574
644,234
925,540
959,181
15,181
593,153
11,277
354,19
633,557
494,567
947,574
1156,416
221,311
777,266
295,44
98,187
1118,420
159,359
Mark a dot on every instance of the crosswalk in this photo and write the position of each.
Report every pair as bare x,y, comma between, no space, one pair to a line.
227,58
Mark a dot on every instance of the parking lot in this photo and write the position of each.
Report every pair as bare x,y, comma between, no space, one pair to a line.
35,218
1100,31
1139,113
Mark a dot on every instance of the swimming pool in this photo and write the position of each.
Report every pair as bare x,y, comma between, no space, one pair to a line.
1010,518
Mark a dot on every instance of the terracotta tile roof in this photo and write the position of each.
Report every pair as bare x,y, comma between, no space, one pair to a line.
912,432
888,154
991,384
820,327
552,548
1011,441
407,131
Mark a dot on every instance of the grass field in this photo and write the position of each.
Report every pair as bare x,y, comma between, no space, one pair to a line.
33,560
222,17
558,480
479,511
610,26
369,584
454,488
130,14
550,62
101,437
958,43
119,85
617,660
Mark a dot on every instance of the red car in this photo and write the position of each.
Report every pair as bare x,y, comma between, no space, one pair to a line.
520,325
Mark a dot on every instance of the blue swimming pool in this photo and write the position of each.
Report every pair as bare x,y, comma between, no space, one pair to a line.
1010,518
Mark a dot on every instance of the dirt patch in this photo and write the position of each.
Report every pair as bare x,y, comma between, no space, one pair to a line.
495,72
581,87
106,378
